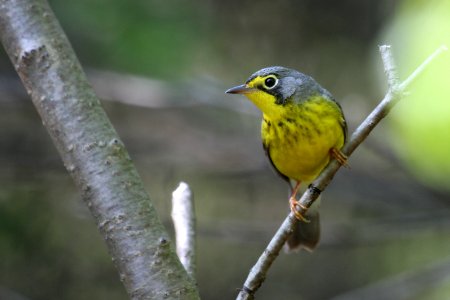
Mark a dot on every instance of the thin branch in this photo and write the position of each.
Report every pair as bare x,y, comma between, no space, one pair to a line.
422,67
92,152
395,93
151,93
146,92
183,216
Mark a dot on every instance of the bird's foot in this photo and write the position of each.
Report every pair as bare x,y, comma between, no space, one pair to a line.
339,156
293,203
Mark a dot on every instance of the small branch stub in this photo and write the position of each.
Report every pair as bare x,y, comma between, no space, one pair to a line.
183,217
389,66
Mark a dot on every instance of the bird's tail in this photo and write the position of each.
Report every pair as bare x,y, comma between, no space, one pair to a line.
306,235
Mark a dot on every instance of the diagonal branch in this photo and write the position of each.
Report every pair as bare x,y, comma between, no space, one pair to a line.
395,93
92,152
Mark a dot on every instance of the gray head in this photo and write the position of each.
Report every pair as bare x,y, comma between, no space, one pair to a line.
284,83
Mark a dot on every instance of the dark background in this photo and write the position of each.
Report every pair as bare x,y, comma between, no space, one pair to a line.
161,68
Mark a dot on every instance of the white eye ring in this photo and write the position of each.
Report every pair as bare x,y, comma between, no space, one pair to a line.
270,82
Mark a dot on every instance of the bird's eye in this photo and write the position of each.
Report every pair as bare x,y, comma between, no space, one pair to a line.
270,82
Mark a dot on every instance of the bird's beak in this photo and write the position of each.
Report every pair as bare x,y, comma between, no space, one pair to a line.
240,89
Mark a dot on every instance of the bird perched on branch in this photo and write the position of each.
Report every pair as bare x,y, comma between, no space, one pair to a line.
302,128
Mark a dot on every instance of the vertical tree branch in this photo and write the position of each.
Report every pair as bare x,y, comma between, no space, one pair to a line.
183,216
92,152
395,93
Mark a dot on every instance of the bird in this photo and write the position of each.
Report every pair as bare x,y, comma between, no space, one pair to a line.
302,129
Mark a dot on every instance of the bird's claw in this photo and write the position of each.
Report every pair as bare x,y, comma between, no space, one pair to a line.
293,203
340,157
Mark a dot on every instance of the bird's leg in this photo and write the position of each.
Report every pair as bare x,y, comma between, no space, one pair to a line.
339,156
293,203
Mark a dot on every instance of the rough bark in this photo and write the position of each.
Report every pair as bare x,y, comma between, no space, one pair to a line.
92,152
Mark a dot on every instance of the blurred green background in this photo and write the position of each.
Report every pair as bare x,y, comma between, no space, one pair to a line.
161,68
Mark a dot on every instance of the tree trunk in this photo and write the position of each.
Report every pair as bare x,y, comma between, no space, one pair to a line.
92,152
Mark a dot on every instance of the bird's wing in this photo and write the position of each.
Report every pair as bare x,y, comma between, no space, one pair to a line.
267,151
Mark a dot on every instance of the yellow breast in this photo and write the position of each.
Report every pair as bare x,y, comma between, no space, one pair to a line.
299,140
